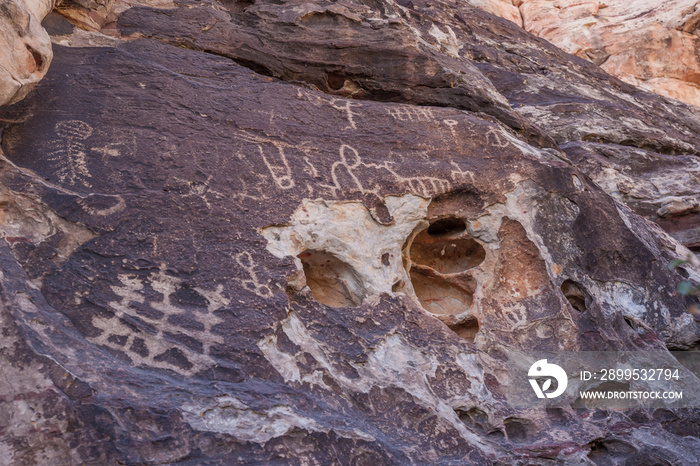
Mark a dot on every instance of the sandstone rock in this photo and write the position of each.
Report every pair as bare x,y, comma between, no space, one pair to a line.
646,43
216,256
25,47
575,104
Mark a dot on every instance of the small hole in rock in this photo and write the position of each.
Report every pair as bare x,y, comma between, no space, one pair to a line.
332,281
474,418
447,226
396,287
632,324
496,435
518,430
575,294
467,329
335,81
385,259
611,452
439,296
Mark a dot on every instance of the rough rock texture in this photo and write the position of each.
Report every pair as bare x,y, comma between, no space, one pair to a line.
655,45
212,254
25,47
428,54
648,43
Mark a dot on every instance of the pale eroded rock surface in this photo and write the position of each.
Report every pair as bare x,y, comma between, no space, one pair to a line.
25,47
648,43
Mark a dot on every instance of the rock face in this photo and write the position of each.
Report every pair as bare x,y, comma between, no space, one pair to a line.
650,44
26,47
311,233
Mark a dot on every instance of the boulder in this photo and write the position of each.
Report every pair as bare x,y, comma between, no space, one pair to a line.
25,47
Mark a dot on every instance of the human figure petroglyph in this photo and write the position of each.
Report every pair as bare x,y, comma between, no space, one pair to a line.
245,260
451,124
342,171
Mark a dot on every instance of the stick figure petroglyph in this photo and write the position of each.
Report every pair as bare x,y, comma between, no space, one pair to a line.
451,124
344,105
349,114
245,260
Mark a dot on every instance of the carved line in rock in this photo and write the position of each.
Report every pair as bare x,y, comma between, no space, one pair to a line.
173,347
281,158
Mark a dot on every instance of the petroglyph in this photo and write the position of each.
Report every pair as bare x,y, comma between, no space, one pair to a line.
245,260
69,151
451,124
349,113
349,160
458,175
275,158
345,178
119,206
427,186
344,105
150,331
411,113
495,137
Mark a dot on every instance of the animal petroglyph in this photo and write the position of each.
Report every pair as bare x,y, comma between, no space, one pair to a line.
345,178
69,151
245,260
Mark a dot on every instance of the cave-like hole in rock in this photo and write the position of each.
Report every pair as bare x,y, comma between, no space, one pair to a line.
575,294
335,81
467,329
447,227
443,252
332,281
519,430
440,296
